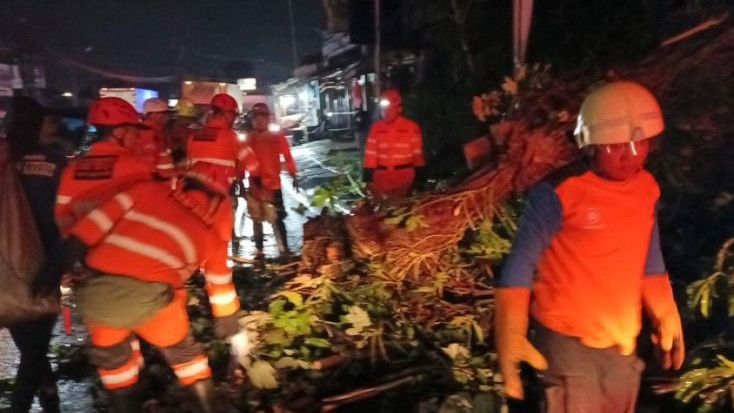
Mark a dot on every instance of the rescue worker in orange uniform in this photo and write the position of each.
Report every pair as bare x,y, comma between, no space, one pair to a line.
586,262
108,168
153,238
218,145
394,150
265,197
153,143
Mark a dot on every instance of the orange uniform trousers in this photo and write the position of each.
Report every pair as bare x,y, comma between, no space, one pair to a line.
116,351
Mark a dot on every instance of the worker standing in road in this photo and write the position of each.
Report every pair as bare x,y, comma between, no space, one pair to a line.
586,261
226,153
394,150
109,167
142,246
265,197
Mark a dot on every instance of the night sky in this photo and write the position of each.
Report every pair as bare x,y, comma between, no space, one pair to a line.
164,37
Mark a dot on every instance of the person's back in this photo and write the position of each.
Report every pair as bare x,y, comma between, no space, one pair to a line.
108,168
147,237
105,170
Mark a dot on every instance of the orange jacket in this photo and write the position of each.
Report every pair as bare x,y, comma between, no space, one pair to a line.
153,147
392,144
87,182
268,148
153,234
217,144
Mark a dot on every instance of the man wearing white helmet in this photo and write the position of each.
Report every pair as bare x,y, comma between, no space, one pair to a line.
586,262
154,144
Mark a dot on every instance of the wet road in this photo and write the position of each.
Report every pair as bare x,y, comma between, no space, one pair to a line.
314,170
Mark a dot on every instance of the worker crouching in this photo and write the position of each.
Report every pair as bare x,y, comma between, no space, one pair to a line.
142,246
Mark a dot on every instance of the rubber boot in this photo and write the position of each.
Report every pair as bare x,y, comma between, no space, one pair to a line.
202,393
281,238
48,396
123,400
257,232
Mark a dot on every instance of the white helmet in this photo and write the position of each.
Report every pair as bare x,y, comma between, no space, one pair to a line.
153,105
618,112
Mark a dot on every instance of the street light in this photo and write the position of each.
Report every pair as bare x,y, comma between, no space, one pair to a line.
67,95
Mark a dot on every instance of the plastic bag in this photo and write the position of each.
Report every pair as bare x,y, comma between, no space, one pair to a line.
21,255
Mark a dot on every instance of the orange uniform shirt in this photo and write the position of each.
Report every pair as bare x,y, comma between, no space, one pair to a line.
87,182
269,148
583,247
149,234
217,144
392,144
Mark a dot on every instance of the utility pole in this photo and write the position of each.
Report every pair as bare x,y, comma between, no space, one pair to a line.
293,33
377,49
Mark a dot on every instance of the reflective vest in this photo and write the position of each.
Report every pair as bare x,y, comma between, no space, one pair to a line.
269,148
108,168
154,234
396,144
217,144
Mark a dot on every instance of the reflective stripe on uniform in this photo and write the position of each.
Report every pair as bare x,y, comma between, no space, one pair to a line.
193,371
63,199
103,222
218,279
183,240
223,298
146,250
213,161
122,377
124,200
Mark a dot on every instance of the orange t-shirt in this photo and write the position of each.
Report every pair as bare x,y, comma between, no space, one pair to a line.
584,246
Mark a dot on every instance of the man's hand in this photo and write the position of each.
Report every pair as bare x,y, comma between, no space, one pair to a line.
516,350
668,337
657,296
513,347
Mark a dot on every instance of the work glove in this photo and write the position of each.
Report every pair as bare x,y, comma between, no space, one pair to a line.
668,331
295,183
513,347
227,326
367,175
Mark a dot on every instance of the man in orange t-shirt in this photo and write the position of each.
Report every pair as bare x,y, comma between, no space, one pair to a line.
586,261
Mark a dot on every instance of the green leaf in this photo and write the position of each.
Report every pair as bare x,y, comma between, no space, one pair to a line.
262,375
294,298
317,342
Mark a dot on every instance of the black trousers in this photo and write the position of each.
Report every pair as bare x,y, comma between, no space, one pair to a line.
34,372
582,379
278,226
